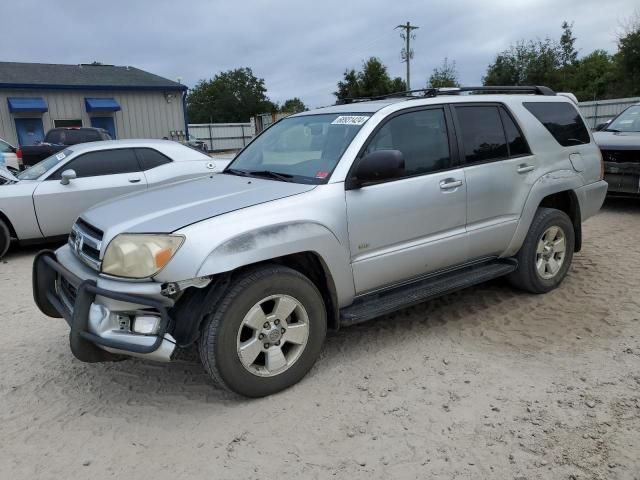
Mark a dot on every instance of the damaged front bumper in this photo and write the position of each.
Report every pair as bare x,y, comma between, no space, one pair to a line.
102,320
623,178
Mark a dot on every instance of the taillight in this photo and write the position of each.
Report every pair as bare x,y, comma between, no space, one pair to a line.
19,155
601,165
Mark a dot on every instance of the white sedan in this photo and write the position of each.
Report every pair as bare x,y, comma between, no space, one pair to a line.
43,201
8,156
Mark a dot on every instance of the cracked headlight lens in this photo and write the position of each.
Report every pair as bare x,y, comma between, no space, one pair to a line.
139,256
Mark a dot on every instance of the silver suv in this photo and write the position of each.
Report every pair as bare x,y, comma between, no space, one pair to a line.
329,218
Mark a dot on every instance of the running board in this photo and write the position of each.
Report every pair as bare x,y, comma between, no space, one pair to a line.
377,304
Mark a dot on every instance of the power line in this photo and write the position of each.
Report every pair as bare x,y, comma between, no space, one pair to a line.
407,53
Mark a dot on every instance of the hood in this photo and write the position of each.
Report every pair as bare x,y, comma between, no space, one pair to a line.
170,207
617,140
6,176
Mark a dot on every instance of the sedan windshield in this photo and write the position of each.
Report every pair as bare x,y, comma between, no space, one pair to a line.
301,149
40,168
627,121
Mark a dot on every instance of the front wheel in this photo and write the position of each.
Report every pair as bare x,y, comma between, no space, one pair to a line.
266,333
546,254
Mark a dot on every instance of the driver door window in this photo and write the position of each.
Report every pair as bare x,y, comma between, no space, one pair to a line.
422,138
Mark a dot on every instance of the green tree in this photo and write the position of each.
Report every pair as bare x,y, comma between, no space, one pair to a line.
373,80
628,58
293,105
231,96
593,77
444,76
568,52
527,63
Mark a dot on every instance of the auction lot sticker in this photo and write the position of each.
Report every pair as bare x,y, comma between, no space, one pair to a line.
350,120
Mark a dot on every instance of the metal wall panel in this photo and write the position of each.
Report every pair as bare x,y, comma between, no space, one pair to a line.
143,114
600,111
223,136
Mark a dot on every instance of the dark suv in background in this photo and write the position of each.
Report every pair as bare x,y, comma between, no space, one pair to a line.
619,141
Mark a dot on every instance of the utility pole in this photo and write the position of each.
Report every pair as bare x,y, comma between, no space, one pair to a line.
407,53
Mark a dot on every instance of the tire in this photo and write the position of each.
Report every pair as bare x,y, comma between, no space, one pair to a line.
5,238
535,271
237,322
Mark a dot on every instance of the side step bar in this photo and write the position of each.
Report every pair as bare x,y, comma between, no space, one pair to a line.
381,303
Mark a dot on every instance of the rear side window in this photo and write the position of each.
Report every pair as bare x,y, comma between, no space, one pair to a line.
515,140
102,162
150,158
483,137
562,120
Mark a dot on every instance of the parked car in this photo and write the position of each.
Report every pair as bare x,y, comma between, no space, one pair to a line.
43,201
8,156
197,143
619,141
329,218
58,139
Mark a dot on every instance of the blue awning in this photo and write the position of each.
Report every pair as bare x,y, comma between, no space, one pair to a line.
27,104
101,105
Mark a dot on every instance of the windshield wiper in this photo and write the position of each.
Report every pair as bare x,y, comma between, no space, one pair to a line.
611,130
283,177
235,171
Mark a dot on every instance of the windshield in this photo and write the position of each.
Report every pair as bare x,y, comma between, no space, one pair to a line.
37,170
302,149
627,121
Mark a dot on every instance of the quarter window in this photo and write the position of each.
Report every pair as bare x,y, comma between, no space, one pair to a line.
515,141
102,162
151,158
483,137
562,120
422,138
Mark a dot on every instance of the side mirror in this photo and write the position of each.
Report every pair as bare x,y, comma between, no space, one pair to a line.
601,126
378,166
67,176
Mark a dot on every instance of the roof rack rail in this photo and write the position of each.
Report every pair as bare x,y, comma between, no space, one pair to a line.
433,92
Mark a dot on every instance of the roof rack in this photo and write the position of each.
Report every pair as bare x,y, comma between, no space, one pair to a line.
433,92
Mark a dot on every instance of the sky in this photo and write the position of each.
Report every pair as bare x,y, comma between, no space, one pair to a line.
300,48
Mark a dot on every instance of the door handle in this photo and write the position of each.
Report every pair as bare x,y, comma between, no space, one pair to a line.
134,180
524,168
450,183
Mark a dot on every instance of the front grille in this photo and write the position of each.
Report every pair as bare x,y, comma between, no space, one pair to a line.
621,156
86,241
90,229
68,291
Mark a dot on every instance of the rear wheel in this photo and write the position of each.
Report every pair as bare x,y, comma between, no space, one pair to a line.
546,254
5,238
266,333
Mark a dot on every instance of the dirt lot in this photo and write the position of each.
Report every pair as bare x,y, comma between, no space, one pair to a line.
485,383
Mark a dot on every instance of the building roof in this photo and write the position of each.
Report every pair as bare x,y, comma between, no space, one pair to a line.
81,77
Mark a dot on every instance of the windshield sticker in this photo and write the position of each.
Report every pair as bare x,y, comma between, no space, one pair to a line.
60,156
321,174
350,120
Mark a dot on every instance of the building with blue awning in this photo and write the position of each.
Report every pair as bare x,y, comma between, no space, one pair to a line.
125,101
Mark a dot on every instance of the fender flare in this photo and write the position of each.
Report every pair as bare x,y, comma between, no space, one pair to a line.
279,240
548,184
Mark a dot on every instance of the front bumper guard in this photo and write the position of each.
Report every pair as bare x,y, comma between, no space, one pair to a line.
46,273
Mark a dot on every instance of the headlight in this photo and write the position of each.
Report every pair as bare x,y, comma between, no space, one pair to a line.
139,256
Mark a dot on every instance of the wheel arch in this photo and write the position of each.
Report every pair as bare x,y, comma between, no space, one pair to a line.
192,309
553,190
5,219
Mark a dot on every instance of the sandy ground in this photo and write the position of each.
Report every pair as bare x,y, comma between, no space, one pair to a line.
484,383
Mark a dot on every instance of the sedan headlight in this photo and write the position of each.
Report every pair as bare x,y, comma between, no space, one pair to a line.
139,256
